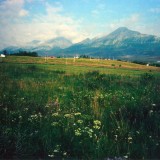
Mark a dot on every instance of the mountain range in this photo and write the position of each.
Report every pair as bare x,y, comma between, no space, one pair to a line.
120,44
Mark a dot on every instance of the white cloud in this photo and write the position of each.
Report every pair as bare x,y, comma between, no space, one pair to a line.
14,30
23,13
130,22
53,9
11,11
133,22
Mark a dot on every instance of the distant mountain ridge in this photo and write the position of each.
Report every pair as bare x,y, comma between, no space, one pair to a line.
42,46
121,43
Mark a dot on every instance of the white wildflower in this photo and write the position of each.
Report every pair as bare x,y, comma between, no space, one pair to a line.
55,114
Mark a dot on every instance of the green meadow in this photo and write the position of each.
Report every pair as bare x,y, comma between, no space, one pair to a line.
65,108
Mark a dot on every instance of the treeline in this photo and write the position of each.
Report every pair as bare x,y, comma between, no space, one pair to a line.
25,53
21,53
84,56
145,63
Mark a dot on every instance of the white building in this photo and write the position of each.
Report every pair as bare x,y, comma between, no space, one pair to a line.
76,57
2,55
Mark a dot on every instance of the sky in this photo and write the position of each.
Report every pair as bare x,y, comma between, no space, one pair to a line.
22,21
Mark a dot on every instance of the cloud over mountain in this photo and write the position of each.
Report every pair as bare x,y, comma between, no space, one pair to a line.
22,21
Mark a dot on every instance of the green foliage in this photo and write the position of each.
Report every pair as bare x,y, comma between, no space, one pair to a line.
50,113
155,64
140,62
25,53
84,56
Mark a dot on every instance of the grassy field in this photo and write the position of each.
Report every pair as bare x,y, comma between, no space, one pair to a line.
76,66
78,108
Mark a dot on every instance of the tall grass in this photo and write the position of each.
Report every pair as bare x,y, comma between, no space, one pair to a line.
46,113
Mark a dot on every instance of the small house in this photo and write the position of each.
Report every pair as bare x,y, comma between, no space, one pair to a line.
2,55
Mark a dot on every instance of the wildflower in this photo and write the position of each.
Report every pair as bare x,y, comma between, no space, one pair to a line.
54,124
78,132
55,114
47,106
150,112
25,109
126,156
96,127
77,114
64,153
101,96
34,116
130,139
90,131
86,128
57,148
80,121
40,115
68,116
55,151
20,117
51,155
116,137
97,124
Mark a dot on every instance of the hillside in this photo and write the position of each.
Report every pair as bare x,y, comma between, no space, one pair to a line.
66,108
72,65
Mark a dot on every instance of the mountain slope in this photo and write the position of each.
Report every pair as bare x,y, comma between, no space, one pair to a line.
42,46
121,43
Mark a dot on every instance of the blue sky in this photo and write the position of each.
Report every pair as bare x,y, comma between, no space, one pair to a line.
22,21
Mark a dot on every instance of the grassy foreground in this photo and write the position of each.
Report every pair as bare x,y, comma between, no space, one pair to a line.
78,109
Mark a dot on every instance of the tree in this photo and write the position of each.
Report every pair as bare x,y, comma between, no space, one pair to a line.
5,52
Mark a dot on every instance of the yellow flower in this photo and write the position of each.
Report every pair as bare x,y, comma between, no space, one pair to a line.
97,122
77,114
80,121
78,132
68,116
